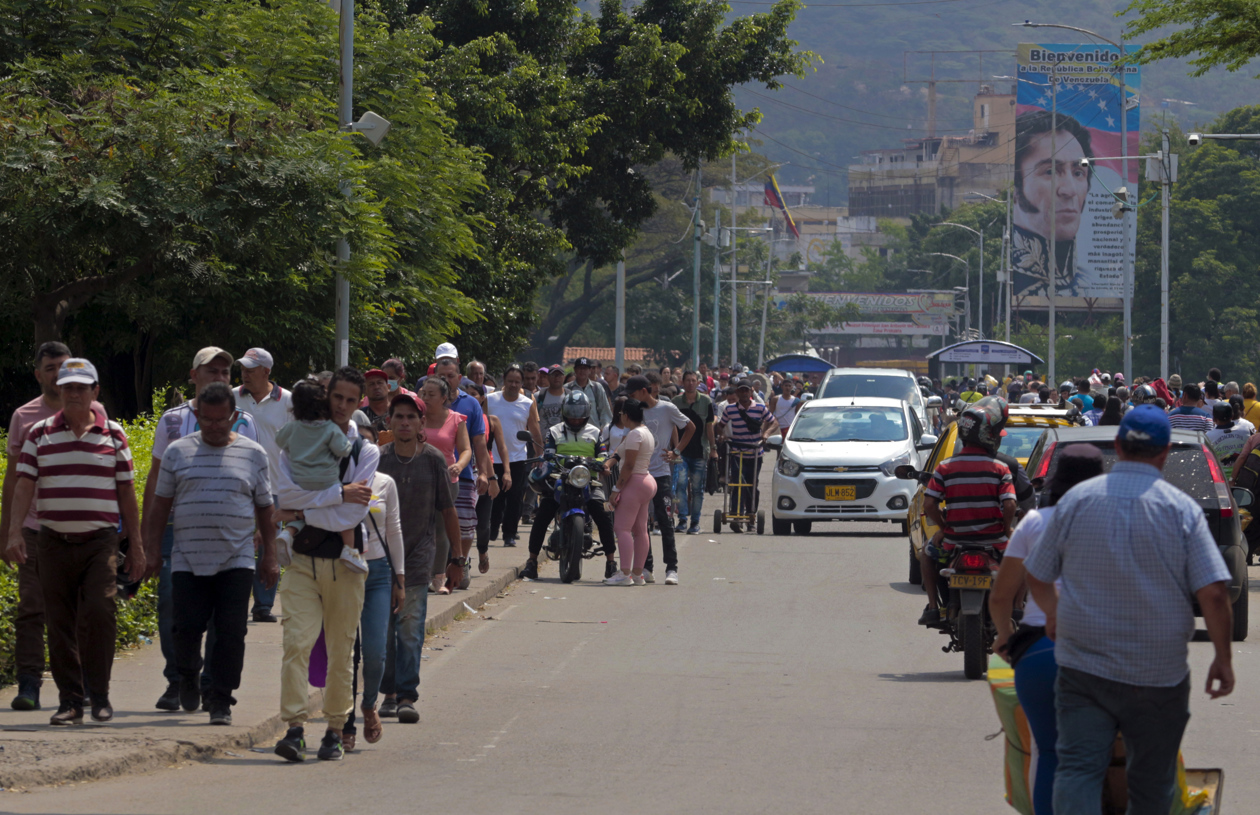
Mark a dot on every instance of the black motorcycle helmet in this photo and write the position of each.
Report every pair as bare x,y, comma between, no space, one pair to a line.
984,423
575,410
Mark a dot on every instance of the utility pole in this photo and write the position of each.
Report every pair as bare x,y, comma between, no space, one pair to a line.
765,306
345,118
1167,163
1128,224
717,283
695,283
621,312
1052,281
734,271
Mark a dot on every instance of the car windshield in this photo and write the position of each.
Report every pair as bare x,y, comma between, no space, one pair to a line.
1186,469
886,387
1020,440
849,424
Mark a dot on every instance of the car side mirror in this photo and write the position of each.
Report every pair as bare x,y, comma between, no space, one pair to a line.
775,442
524,435
1243,497
906,471
926,442
934,401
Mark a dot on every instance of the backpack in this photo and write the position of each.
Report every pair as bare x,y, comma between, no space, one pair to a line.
1247,471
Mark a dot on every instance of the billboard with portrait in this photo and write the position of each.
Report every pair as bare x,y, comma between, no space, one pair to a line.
1068,108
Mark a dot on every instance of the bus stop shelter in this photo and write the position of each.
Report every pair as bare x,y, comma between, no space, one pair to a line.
986,355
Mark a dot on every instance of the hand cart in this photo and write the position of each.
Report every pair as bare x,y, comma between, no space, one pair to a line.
741,468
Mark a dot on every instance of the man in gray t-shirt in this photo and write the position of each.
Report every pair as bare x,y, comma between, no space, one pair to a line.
218,485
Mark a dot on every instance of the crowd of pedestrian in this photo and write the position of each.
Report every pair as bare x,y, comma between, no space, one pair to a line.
367,494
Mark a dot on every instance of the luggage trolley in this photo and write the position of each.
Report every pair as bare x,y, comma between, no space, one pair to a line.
738,454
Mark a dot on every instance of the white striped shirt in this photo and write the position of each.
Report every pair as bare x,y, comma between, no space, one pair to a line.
77,477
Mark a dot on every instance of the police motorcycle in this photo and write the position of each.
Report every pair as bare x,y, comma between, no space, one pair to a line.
567,479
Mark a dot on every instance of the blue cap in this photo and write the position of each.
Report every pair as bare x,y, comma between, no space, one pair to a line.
1146,425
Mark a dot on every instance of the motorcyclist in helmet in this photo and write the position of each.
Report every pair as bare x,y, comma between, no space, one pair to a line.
982,487
573,436
1142,394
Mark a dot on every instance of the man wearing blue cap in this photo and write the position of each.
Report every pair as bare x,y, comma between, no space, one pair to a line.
1133,553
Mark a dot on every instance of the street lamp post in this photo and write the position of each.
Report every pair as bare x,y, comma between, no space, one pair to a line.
968,300
1006,260
1126,225
979,234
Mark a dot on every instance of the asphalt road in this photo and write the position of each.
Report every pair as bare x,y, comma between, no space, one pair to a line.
783,674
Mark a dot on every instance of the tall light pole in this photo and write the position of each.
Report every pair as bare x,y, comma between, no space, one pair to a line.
695,282
345,120
967,331
1126,223
979,234
1007,279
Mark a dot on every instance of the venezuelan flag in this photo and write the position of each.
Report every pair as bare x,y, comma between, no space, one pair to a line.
774,198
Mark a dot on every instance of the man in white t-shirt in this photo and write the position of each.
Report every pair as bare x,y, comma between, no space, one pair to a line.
271,406
211,364
661,418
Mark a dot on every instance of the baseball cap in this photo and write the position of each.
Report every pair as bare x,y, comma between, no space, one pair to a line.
76,370
375,373
210,353
556,369
742,383
724,376
257,358
1146,425
446,349
1119,377
409,399
582,362
637,383
1174,381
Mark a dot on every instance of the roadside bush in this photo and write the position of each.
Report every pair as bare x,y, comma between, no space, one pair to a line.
137,618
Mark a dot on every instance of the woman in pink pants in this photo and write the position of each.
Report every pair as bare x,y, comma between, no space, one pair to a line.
632,497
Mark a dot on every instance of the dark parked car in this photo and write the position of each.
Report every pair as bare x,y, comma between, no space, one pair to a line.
1193,468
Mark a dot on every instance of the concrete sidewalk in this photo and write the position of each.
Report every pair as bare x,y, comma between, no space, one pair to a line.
140,737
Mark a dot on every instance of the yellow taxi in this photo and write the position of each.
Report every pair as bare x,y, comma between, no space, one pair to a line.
1024,427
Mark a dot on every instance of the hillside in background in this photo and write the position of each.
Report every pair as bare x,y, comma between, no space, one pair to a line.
859,100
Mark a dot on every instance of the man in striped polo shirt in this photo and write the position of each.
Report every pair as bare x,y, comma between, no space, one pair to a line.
81,465
979,490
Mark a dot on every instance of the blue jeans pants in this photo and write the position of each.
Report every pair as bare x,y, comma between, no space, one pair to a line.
264,598
689,477
1091,710
166,618
404,644
374,626
1034,685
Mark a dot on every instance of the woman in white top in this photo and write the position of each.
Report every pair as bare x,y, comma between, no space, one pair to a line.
515,412
1036,669
632,496
784,406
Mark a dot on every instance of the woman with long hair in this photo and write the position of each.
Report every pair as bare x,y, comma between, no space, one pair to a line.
1113,412
632,497
446,430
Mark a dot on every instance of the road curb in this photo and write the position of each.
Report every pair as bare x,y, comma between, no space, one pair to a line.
153,754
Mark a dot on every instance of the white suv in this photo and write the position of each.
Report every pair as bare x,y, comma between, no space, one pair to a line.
892,383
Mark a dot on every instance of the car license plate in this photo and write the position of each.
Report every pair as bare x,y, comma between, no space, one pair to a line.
841,493
970,581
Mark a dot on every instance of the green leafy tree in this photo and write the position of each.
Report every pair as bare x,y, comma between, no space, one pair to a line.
1215,33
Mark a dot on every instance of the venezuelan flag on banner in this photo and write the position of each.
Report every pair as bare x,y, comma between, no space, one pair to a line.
774,198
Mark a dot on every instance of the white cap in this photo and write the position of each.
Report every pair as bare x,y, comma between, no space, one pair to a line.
210,353
257,358
76,370
446,349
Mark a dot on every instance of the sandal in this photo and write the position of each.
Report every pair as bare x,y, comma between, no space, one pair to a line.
372,728
347,739
454,572
483,562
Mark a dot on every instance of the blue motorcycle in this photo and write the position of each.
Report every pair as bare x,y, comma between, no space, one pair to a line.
567,480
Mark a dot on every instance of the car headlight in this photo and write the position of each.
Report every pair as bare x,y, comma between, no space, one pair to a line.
580,476
888,466
789,467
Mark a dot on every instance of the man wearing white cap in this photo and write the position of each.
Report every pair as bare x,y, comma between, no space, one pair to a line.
272,408
80,464
210,364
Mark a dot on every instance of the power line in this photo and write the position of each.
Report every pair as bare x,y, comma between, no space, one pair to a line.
839,118
846,107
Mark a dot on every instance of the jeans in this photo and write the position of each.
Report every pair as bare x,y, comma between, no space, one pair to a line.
403,646
662,509
1034,685
1091,710
264,598
166,618
689,478
225,598
374,626
507,505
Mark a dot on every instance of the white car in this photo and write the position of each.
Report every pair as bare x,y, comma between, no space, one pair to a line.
837,462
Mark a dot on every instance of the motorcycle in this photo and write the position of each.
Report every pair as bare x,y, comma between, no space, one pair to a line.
963,592
568,481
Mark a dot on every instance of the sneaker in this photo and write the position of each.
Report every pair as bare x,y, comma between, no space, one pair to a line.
330,748
190,693
638,580
695,530
389,708
221,713
407,713
28,693
647,577
619,579
467,578
510,543
170,699
610,568
293,746
102,710
67,714
930,616
681,528
531,569
353,560
671,577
